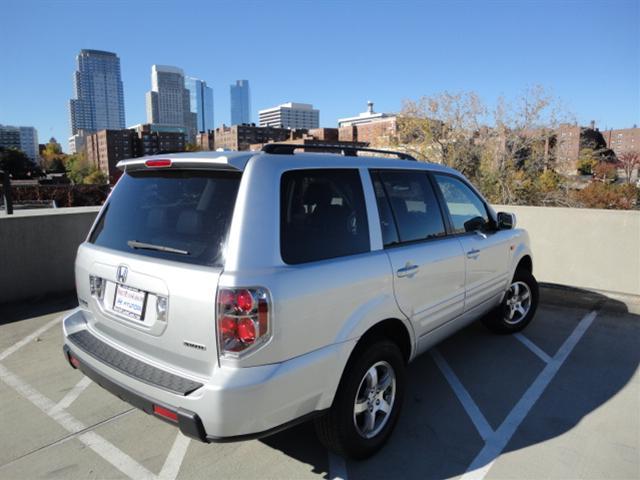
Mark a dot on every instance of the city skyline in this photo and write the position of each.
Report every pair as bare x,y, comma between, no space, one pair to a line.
500,49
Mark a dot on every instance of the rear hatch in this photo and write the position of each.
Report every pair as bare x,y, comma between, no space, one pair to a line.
150,268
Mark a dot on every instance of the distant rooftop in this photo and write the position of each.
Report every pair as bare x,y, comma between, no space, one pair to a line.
364,117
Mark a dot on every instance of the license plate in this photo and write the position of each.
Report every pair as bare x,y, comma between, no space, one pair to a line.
130,302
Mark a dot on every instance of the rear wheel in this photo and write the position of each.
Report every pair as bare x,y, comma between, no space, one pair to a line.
367,404
518,306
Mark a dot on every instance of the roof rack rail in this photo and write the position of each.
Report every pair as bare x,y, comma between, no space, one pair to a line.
347,150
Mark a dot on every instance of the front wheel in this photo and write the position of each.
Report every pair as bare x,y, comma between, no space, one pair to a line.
518,306
367,403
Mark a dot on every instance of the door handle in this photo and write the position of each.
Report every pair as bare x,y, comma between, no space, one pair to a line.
475,253
407,271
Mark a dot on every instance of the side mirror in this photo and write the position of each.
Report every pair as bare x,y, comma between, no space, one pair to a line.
474,224
506,221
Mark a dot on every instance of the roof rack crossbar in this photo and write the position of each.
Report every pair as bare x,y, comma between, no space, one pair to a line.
346,150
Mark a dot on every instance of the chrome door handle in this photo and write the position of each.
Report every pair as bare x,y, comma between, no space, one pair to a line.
407,271
473,253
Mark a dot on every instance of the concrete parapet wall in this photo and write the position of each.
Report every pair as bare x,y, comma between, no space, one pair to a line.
38,250
593,249
588,248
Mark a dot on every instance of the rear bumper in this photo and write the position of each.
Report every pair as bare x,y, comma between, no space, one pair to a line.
234,403
188,422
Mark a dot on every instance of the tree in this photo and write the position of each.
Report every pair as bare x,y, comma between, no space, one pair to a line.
96,177
77,168
587,161
443,129
600,195
629,161
605,172
17,164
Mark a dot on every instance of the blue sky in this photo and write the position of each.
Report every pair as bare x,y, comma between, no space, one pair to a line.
336,55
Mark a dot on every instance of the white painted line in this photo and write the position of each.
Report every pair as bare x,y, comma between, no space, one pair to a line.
29,338
494,445
174,460
95,442
337,467
73,394
478,419
533,347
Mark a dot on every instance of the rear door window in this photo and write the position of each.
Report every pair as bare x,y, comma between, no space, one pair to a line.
179,215
413,203
322,215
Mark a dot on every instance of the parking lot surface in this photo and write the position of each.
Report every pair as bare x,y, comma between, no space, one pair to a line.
560,400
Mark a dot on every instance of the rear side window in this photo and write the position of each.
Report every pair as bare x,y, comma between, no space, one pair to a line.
177,215
322,215
468,212
414,205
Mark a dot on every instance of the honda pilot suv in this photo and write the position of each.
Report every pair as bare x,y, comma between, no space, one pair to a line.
234,294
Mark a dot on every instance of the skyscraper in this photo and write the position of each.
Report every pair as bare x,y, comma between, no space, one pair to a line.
240,103
201,103
99,98
169,102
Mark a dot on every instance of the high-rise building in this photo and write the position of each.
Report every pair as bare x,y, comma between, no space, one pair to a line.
24,139
240,103
169,101
98,101
290,115
201,103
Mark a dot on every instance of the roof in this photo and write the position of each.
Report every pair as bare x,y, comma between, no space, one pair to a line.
231,160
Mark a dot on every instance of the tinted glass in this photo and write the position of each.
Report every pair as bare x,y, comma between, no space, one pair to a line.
414,205
388,226
322,215
467,210
187,211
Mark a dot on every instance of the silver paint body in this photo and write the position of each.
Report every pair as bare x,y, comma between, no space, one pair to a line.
319,309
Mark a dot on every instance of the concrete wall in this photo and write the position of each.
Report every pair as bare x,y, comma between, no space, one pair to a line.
596,249
38,250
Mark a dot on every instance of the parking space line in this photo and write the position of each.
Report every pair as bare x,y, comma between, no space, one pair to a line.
478,419
533,347
174,460
73,394
29,338
95,442
496,443
337,467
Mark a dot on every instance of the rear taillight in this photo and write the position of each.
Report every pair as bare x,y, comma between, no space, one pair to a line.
243,319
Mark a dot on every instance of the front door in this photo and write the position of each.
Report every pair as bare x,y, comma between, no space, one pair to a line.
486,248
428,266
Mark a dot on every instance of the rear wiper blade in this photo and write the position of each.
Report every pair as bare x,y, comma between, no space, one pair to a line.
150,246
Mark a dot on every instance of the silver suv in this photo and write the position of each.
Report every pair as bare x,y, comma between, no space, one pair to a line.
234,294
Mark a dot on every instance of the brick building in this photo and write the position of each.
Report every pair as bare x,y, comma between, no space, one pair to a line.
241,137
105,148
623,140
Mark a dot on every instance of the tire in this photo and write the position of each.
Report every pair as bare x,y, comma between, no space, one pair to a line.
353,435
518,306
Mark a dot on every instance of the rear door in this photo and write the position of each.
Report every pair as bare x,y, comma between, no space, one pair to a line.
150,268
428,266
486,248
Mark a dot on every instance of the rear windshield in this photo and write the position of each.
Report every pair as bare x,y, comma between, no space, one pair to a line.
180,215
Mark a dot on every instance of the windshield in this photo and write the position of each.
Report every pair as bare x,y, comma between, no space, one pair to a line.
180,215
